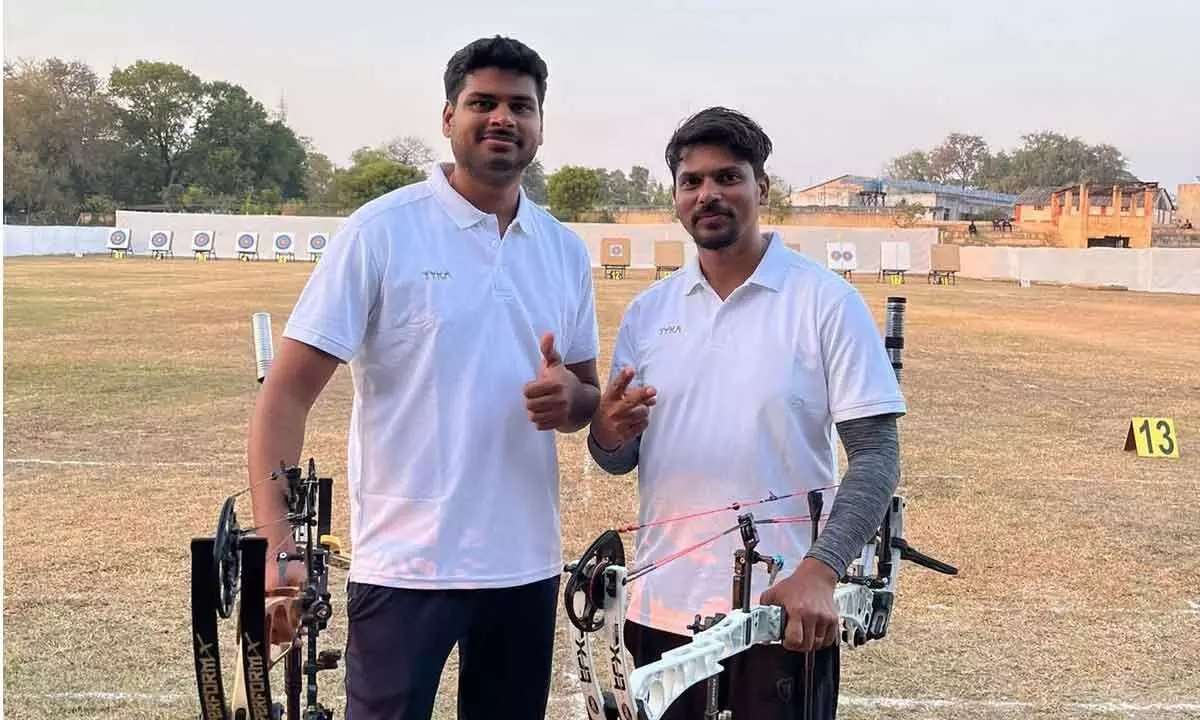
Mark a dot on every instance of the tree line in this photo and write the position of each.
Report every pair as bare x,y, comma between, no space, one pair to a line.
1042,159
155,136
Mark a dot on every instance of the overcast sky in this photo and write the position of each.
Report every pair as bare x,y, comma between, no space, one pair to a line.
840,86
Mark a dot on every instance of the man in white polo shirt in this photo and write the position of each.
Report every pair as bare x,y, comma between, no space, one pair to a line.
466,316
739,368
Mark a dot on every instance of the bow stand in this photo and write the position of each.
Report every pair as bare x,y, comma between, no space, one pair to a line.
594,597
229,569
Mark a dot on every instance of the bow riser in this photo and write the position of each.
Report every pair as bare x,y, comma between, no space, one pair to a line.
656,685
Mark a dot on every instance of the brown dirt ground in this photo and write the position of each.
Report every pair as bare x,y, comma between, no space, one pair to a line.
1078,560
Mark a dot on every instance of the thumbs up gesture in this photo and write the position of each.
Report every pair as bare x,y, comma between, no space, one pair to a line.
623,413
548,397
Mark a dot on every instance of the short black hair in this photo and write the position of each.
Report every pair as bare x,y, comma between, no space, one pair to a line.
498,52
724,128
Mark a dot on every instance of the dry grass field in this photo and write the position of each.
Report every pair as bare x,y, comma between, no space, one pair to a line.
127,388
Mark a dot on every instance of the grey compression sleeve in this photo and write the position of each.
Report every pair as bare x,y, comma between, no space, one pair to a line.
618,462
873,452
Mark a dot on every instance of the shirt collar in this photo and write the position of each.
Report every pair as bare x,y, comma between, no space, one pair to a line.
770,273
463,212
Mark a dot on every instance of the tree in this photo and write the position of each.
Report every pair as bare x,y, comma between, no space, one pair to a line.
639,186
1042,159
159,106
409,150
59,138
534,182
617,188
914,165
365,182
573,190
906,214
960,157
779,198
320,176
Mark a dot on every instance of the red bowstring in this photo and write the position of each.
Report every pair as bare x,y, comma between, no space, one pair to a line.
637,572
725,508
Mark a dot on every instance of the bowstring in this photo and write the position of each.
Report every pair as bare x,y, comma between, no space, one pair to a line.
643,569
771,497
274,476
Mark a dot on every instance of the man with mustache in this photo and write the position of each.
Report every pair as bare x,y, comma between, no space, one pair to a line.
746,361
465,314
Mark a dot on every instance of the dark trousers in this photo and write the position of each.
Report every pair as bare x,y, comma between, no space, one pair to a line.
398,642
766,682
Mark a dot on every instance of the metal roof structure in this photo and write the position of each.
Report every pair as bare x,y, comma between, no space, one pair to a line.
873,184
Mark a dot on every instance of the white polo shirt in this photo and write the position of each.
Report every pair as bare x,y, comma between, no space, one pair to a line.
439,318
749,390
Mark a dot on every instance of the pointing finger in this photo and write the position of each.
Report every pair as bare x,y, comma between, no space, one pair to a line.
617,388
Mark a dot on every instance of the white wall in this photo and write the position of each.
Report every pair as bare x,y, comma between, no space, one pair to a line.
1151,270
1175,270
54,240
811,240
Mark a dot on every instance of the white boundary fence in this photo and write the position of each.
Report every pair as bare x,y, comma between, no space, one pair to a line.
1175,270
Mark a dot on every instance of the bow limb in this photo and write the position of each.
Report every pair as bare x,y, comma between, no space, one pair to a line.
251,689
618,656
586,665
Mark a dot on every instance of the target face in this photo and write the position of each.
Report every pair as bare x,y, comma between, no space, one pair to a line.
836,255
847,255
202,240
317,242
283,242
158,240
246,241
118,237
615,251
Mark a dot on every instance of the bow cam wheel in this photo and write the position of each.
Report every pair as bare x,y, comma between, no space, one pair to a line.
586,581
226,559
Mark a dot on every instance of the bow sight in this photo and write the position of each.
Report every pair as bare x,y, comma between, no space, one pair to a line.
229,569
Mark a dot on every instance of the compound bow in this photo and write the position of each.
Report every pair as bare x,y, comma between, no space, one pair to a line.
229,568
594,598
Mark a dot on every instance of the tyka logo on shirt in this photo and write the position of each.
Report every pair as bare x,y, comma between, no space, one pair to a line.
670,330
436,275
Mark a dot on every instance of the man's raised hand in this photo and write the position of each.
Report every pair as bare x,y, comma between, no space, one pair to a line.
548,397
623,413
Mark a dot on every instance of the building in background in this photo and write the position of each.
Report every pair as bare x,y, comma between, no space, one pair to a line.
1188,199
942,202
1093,215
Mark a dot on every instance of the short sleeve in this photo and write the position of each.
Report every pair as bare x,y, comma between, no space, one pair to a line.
858,373
585,342
333,310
